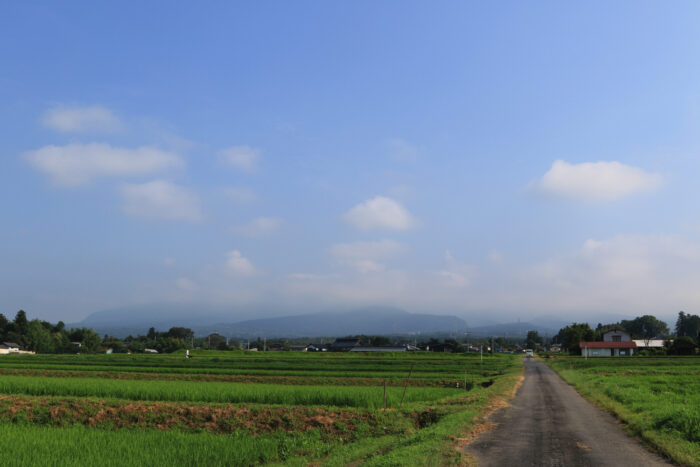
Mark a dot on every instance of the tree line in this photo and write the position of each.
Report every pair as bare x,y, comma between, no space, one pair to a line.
44,337
684,340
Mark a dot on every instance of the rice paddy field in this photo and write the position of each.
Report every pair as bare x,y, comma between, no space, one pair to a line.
657,398
246,408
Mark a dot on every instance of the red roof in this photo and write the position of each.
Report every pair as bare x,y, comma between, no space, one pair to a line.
608,345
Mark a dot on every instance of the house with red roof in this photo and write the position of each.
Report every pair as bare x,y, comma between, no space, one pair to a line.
616,343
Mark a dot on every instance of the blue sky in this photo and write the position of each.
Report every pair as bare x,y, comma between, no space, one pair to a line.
485,160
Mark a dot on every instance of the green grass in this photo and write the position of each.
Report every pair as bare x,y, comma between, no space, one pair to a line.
658,398
421,433
341,396
28,445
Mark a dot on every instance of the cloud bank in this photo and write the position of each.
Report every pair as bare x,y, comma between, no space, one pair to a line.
238,265
241,157
366,257
77,164
160,200
596,181
81,119
379,213
259,227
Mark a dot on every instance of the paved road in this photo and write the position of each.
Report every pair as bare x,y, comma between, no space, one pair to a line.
550,424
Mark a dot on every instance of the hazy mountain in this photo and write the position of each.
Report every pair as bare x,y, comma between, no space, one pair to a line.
378,320
364,321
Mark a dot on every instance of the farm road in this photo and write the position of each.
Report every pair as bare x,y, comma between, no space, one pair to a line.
550,424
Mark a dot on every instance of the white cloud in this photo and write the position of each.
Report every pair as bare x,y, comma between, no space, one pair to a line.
596,181
81,119
366,256
260,227
240,195
379,212
632,273
160,199
77,164
456,274
238,265
241,157
186,285
402,150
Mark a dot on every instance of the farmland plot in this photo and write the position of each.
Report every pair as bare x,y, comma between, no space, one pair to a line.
238,408
658,398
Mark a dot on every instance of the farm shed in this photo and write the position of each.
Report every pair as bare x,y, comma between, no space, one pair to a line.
649,343
607,349
344,345
378,349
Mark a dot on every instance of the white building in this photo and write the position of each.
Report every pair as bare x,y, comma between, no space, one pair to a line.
616,343
8,347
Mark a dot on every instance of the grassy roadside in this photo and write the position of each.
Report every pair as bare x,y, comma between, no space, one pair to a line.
654,407
440,443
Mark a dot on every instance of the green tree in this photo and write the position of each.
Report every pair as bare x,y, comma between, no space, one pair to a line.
683,345
38,338
645,327
214,340
21,322
533,340
90,341
380,341
570,336
3,325
180,333
688,325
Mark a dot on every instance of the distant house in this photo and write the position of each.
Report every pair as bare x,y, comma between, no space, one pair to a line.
315,348
8,347
608,349
344,345
77,344
448,348
616,343
298,348
378,349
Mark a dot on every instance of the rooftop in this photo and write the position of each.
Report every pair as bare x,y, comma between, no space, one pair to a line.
608,345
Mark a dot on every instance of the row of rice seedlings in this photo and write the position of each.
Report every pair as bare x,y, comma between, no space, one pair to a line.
280,360
341,396
456,374
25,445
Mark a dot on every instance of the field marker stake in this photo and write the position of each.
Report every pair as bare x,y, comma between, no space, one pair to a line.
406,385
384,394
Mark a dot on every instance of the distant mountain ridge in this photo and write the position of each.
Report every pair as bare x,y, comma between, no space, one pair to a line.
377,320
371,321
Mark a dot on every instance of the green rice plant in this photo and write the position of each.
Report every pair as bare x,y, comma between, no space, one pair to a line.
28,445
350,396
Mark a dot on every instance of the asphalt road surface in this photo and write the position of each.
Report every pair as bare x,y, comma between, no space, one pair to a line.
550,424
